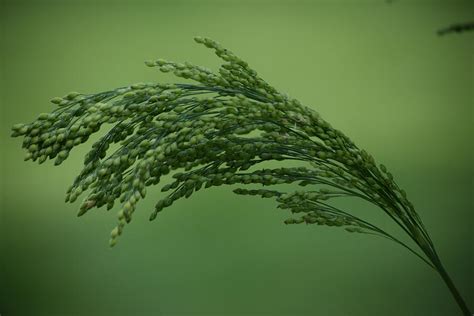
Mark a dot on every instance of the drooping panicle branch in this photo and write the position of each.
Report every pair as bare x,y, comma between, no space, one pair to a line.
220,129
214,130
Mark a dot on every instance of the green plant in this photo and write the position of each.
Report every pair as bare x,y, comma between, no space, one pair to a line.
218,132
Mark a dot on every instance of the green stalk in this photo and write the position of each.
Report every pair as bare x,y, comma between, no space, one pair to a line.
452,288
430,252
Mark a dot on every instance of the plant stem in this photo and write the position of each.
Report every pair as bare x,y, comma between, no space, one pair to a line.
454,291
431,253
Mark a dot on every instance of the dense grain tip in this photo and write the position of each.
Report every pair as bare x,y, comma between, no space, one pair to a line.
112,242
150,63
199,39
56,100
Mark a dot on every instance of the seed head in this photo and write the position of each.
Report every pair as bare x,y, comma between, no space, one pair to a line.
217,129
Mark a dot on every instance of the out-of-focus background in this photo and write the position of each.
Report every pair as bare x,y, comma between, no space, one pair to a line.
374,69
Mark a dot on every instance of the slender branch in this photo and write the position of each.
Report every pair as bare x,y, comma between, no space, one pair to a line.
452,288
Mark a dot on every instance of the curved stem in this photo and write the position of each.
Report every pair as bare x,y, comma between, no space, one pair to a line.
452,288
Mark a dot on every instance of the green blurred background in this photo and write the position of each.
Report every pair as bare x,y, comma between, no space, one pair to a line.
375,69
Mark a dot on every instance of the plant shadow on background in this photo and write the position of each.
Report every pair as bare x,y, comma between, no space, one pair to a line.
235,260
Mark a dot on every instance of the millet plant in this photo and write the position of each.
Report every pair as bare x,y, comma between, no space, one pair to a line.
217,131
